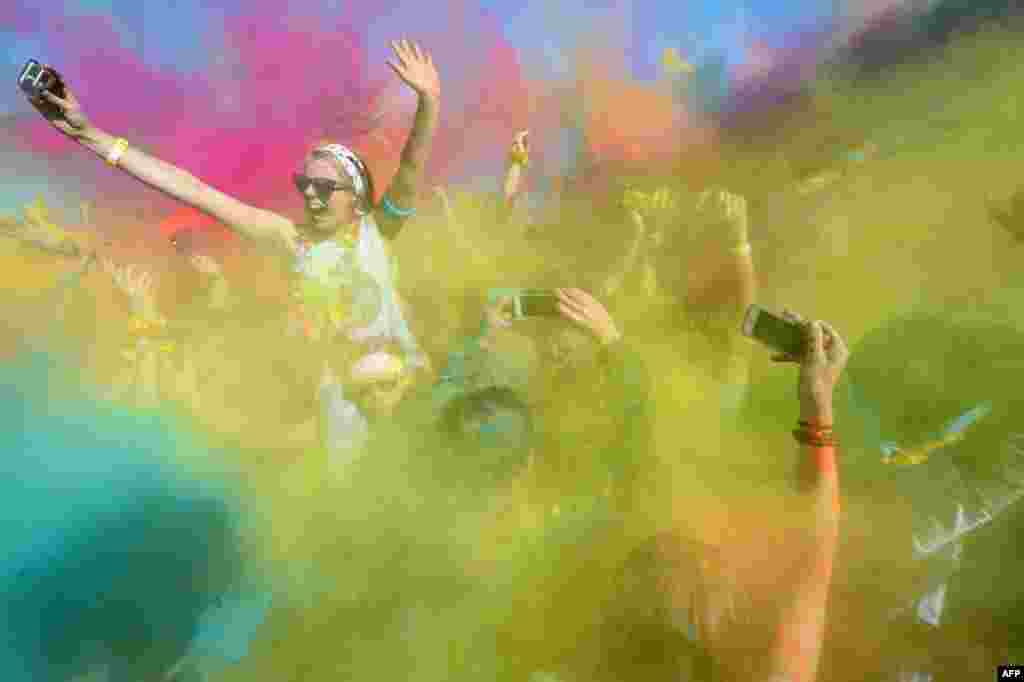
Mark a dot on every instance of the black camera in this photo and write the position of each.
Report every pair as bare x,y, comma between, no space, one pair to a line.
35,79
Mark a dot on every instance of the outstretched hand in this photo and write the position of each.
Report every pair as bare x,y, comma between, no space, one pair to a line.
586,311
520,145
137,284
728,207
415,67
206,265
65,114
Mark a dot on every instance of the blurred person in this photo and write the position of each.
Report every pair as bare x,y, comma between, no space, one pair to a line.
751,613
377,390
343,229
713,289
587,385
118,565
595,395
601,600
406,580
496,353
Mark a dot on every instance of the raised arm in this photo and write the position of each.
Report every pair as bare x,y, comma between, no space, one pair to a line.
416,69
738,265
249,221
614,281
518,162
735,275
138,286
796,653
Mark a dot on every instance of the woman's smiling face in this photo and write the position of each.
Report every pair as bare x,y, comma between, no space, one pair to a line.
327,211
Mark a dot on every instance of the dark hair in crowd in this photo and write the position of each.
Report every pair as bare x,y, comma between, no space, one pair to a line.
468,423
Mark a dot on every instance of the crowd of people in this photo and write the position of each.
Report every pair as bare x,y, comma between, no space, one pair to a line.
537,451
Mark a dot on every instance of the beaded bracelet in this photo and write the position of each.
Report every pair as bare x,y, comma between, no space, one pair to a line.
814,433
820,439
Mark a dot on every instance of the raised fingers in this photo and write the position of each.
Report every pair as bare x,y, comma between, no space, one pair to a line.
836,345
816,339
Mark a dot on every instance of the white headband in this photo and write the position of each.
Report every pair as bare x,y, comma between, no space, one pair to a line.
352,164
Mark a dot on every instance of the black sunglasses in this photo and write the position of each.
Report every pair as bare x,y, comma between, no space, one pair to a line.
324,187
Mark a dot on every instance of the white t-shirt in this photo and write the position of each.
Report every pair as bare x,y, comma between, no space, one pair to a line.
363,267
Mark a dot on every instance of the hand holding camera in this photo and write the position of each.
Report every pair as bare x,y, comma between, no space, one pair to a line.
47,92
818,348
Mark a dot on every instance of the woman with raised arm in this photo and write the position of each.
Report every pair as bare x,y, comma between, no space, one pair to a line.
343,225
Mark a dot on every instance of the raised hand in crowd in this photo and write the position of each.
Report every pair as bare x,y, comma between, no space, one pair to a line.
731,210
205,265
797,651
138,285
820,367
587,312
415,67
39,231
442,194
518,161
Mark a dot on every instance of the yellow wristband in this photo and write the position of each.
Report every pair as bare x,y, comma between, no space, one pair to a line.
518,158
147,328
117,151
741,249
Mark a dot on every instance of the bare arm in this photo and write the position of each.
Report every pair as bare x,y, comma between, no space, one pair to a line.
416,68
518,160
737,276
248,221
617,278
796,653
